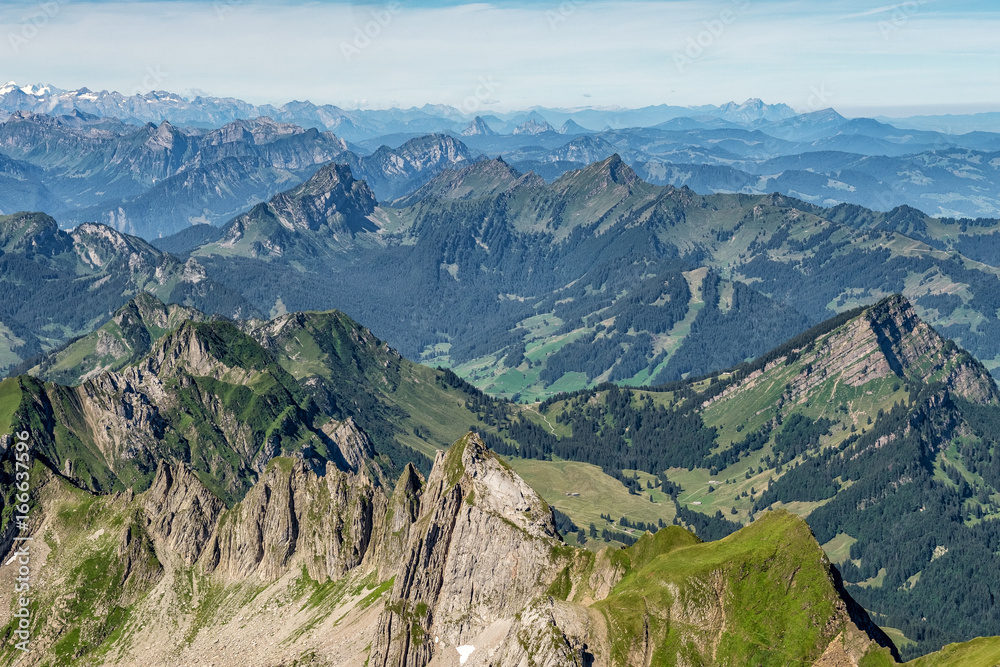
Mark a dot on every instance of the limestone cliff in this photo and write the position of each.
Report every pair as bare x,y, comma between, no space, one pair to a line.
293,515
887,340
482,548
180,511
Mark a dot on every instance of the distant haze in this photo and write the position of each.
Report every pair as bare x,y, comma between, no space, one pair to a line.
924,55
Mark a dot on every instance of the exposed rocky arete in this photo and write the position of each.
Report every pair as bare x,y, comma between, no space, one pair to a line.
466,568
887,340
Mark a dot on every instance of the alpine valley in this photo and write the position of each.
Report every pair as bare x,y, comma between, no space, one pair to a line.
438,390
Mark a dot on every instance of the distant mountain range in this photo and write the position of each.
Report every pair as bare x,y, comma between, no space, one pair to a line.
153,179
158,106
529,288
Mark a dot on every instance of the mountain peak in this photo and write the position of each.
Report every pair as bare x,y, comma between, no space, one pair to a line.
878,343
572,127
912,349
478,128
482,178
534,126
754,110
331,203
610,175
490,484
616,169
332,192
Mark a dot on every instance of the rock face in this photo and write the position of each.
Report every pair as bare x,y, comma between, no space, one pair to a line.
331,197
207,394
353,444
886,340
913,349
327,523
180,512
480,551
323,213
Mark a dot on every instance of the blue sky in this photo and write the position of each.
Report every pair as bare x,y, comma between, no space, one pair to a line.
915,56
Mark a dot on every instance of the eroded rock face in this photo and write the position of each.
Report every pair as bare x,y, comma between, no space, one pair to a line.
480,551
181,513
354,445
292,514
912,348
887,340
481,576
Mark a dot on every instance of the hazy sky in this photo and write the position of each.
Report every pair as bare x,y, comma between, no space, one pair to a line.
921,55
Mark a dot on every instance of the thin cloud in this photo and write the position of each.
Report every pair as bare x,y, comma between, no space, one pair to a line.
622,53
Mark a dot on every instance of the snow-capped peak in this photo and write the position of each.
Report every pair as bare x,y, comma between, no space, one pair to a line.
36,91
7,87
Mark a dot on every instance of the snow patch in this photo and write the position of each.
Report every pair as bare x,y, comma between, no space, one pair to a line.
464,652
36,91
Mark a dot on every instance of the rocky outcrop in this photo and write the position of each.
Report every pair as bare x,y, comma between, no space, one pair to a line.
913,349
140,567
479,578
886,340
404,509
181,513
483,547
354,445
292,514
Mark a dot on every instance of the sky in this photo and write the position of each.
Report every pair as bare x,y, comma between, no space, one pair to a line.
917,56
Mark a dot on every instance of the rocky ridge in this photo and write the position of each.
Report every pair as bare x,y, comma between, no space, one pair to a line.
465,568
886,340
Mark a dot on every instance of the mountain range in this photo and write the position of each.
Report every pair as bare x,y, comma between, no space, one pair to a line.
203,111
153,165
284,468
435,389
155,180
529,288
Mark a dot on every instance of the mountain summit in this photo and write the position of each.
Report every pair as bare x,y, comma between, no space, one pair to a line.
533,126
322,214
478,128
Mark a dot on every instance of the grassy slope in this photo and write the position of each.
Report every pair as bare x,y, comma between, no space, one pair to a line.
491,374
599,494
427,413
982,652
762,624
117,343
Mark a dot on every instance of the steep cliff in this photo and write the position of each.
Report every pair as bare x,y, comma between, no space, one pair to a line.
483,546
